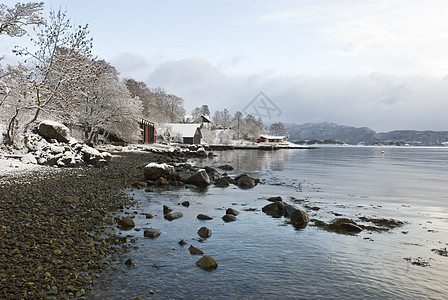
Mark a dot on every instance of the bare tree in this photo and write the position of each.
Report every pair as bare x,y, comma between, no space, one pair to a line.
222,119
62,59
277,128
13,20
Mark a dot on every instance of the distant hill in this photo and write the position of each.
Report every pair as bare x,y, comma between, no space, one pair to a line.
364,135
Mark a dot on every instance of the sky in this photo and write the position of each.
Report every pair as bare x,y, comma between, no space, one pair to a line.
381,64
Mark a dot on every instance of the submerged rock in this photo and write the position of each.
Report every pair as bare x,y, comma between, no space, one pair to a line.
232,211
245,181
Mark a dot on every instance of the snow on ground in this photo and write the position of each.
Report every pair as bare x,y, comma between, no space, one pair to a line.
12,168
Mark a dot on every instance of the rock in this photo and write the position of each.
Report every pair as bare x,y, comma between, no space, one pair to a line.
29,159
275,209
289,210
151,233
128,262
167,209
70,199
195,251
199,178
212,173
204,217
299,218
244,181
148,216
125,223
185,203
54,130
275,199
182,242
226,167
222,182
204,232
161,181
182,176
154,171
142,184
229,218
173,215
207,263
232,211
95,215
349,227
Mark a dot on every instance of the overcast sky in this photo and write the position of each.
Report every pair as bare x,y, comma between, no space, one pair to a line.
378,63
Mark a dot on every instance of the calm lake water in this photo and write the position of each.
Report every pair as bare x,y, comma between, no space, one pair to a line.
262,257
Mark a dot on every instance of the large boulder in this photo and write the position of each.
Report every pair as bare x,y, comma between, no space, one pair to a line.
154,171
212,173
54,130
199,178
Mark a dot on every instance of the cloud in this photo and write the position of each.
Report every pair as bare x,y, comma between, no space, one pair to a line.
380,101
134,65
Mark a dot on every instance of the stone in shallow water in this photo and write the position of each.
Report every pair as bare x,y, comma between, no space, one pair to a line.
229,218
207,263
151,233
204,232
204,217
195,251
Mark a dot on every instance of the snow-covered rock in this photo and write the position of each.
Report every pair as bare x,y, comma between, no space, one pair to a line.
29,159
54,130
154,171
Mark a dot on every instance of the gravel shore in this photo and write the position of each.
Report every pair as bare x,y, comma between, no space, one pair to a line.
52,226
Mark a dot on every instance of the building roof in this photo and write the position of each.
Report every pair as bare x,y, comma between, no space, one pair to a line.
185,130
273,137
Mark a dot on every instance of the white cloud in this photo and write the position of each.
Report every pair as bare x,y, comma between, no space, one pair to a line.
382,102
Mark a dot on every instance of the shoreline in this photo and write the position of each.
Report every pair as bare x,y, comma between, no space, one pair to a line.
53,225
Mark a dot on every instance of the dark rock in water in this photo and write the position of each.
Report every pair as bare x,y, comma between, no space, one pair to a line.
54,130
199,178
182,242
182,175
226,167
229,179
222,183
229,218
195,251
204,217
128,262
275,209
167,209
149,216
176,183
299,218
204,232
232,211
212,173
207,263
154,171
173,215
151,233
186,203
275,199
244,181
125,223
161,181
349,227
289,210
